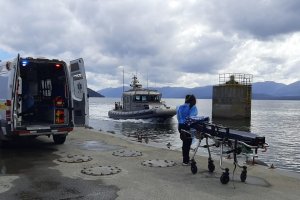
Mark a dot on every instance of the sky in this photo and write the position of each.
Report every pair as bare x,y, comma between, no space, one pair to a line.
177,43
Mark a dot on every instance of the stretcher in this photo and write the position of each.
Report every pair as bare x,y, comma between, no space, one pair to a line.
223,137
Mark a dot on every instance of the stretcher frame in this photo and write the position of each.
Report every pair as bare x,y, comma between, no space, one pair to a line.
224,136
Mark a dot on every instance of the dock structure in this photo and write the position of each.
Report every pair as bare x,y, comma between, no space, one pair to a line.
232,96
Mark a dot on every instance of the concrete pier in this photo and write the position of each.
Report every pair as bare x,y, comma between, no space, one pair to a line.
97,165
232,97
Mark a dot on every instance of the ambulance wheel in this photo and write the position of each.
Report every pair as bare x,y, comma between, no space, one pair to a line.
225,177
244,174
4,143
59,139
194,168
211,166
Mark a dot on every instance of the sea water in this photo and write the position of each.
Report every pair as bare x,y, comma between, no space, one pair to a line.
277,120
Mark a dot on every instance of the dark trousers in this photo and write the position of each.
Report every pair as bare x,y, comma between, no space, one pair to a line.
186,142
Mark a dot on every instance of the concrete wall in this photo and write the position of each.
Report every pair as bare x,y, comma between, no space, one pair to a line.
231,101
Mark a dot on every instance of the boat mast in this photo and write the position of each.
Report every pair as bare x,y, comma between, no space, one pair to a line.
123,79
122,99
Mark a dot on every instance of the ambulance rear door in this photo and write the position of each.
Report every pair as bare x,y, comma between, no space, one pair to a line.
79,93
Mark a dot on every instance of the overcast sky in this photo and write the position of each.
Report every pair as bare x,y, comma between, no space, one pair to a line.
184,43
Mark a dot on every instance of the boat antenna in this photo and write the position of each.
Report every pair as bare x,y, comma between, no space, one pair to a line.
123,78
147,79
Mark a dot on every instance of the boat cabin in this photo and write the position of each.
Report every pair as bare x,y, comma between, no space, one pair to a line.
138,98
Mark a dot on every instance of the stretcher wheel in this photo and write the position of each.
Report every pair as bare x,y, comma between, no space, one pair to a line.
225,177
211,166
244,174
194,168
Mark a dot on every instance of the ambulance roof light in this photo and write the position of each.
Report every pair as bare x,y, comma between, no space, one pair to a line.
24,63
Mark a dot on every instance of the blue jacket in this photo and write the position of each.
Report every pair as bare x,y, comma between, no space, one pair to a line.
185,111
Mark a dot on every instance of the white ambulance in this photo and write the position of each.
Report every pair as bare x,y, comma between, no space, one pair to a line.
41,96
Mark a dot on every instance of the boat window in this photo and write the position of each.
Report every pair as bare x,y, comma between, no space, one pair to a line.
137,98
151,98
154,98
141,98
144,98
157,98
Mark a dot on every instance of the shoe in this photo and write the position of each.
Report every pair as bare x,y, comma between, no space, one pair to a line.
186,164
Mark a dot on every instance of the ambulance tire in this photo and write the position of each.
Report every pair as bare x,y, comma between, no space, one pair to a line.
59,139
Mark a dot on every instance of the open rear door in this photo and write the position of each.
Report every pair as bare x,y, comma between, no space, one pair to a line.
79,93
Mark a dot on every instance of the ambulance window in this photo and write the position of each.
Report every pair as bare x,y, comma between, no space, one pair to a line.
4,85
74,67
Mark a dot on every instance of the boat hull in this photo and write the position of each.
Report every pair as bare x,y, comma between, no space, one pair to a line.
142,114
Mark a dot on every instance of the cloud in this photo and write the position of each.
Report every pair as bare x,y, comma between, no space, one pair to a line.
170,43
262,19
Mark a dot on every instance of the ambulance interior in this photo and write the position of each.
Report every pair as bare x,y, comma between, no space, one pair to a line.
44,98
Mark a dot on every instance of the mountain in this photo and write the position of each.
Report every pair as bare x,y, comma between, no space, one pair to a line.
289,90
92,93
268,87
260,90
180,92
113,92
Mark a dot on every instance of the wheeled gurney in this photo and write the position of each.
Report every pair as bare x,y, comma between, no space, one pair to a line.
221,137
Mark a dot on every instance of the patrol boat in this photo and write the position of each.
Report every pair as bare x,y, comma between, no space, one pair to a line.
141,103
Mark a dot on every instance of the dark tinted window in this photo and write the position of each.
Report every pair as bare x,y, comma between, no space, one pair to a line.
74,67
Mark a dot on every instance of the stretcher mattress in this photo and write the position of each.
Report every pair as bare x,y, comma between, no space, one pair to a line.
201,123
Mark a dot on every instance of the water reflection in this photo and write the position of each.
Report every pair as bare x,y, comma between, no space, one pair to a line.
237,124
154,131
